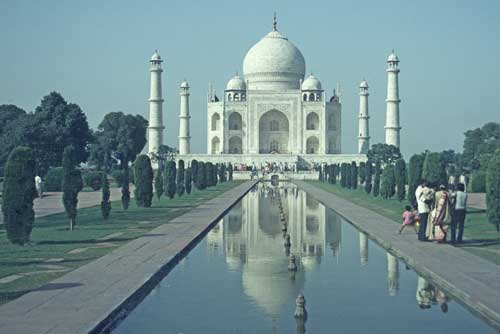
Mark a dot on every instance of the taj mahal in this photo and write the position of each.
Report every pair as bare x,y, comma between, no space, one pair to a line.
273,112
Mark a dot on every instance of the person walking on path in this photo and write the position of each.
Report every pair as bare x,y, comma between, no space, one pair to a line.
440,216
423,194
458,218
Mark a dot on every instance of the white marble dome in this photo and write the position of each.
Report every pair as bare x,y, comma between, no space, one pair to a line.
311,83
155,56
274,63
236,83
184,84
363,84
393,57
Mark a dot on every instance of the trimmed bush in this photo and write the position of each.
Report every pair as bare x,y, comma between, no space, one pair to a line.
400,175
180,178
194,172
143,181
201,176
188,180
159,183
125,189
493,189
362,172
170,179
354,175
376,180
368,178
222,173
209,173
72,184
388,186
53,180
105,202
230,172
434,169
93,180
415,170
478,182
18,194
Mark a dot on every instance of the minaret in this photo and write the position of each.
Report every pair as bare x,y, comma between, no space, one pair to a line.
364,130
392,127
184,117
155,128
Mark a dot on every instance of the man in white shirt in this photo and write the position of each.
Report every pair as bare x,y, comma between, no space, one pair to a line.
421,194
459,214
38,186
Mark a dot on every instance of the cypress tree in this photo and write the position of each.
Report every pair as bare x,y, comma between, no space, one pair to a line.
320,177
434,169
362,172
72,184
230,172
125,188
415,169
143,177
188,180
169,179
194,172
105,202
18,194
201,176
493,189
387,188
400,174
376,180
222,173
348,178
354,175
334,173
209,174
159,183
368,178
215,173
180,178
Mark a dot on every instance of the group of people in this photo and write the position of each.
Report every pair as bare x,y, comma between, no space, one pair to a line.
436,209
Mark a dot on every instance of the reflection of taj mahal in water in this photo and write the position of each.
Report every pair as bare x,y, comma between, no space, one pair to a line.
257,249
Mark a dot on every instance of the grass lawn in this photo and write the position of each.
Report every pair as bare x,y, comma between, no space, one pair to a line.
55,250
482,237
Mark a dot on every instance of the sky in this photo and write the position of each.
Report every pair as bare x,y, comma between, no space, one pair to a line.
96,54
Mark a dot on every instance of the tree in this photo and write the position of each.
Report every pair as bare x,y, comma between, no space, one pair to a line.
493,190
480,141
165,153
188,180
222,173
170,179
201,176
72,184
368,179
354,175
180,178
230,172
159,183
143,177
376,180
415,170
9,113
434,170
384,153
209,174
362,172
320,176
18,195
387,188
215,172
343,175
400,178
125,188
105,202
349,180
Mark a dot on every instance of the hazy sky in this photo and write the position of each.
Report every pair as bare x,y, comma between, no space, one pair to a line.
96,54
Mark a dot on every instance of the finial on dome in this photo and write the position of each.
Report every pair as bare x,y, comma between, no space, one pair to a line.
275,22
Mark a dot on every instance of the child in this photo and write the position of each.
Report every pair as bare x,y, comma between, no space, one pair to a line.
408,219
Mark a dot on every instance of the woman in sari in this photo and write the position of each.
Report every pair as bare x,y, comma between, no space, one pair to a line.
440,215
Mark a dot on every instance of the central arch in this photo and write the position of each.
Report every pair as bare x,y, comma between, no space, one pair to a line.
274,132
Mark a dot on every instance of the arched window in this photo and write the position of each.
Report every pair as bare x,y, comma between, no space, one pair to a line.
215,145
312,121
275,125
230,96
275,146
318,97
312,145
235,145
304,97
332,146
235,122
243,97
215,122
236,96
311,97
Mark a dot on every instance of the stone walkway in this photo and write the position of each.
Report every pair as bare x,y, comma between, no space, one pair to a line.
92,297
52,201
476,200
467,277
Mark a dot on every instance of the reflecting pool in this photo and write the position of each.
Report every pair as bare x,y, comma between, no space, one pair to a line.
236,280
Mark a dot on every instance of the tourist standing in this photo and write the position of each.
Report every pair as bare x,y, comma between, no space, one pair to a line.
440,215
458,218
38,186
423,204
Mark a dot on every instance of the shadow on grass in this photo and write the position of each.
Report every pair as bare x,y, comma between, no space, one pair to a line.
87,241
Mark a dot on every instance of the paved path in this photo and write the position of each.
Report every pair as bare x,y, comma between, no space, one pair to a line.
89,298
469,278
52,201
476,200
